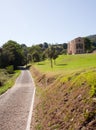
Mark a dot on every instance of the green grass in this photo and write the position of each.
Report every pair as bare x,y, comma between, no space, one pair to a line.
80,69
69,63
9,82
73,88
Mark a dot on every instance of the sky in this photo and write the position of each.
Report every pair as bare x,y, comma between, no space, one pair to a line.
32,22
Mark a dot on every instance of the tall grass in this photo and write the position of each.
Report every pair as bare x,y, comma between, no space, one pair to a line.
8,81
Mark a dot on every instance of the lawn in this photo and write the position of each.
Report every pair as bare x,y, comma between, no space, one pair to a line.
68,63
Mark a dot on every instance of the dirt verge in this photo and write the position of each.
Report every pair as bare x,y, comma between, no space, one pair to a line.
63,105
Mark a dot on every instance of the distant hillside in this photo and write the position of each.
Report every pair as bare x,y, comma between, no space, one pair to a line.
92,38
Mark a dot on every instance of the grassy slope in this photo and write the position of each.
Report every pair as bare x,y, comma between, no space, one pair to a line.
8,80
68,102
69,63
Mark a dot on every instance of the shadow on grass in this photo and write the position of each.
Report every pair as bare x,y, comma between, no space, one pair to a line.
61,64
41,64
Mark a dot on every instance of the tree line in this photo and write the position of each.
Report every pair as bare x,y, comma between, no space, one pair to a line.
44,51
15,54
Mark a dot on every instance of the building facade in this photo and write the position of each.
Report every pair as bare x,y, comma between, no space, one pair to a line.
76,46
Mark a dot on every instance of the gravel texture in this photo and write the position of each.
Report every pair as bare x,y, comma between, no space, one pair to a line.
15,103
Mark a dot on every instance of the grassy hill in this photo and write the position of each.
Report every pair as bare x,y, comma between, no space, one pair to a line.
67,93
68,63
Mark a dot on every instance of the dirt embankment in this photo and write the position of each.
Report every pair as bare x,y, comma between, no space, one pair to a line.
63,104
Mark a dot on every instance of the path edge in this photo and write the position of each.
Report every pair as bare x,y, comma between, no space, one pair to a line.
32,104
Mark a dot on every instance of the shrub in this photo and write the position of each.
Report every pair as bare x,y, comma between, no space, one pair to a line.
93,90
10,69
89,116
0,83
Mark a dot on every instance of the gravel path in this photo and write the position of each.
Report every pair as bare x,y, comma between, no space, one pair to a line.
16,102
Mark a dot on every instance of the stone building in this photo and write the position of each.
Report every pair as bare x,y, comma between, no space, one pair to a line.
76,46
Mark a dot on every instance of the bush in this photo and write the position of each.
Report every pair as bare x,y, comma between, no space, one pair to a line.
0,83
89,116
93,90
10,69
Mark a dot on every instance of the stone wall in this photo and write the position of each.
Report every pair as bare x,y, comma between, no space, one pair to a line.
76,46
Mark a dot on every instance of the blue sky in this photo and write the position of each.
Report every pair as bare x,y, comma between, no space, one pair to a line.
53,21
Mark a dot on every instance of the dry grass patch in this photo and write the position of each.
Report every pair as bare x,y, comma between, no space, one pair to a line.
66,103
67,93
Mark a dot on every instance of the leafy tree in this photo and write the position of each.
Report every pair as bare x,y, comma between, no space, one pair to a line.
36,57
59,48
52,54
65,45
44,55
94,44
41,45
24,54
88,45
29,58
45,44
10,69
0,56
11,54
55,56
36,53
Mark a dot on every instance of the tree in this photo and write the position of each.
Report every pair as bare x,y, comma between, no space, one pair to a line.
65,45
88,45
0,56
36,53
36,56
52,54
29,58
41,45
55,56
12,54
24,53
45,44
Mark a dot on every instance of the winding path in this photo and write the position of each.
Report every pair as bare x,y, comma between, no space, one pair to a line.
17,103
